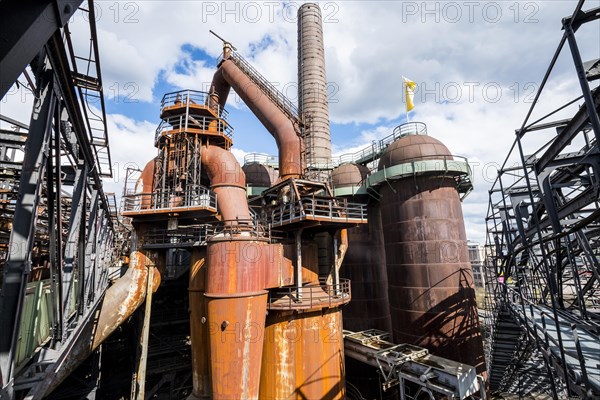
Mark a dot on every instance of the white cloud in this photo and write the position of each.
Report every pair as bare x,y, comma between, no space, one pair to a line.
368,48
131,146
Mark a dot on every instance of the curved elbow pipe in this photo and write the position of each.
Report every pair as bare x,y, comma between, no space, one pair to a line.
124,297
228,181
219,88
119,303
276,122
147,178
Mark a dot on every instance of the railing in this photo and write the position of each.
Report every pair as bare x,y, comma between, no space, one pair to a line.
261,158
181,237
198,235
243,227
369,153
184,97
410,128
444,162
165,200
374,151
181,124
574,339
310,296
334,210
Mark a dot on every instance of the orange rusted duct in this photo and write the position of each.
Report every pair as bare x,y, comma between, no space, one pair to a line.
228,181
303,356
276,122
147,178
198,326
237,307
236,323
124,297
237,272
343,247
119,303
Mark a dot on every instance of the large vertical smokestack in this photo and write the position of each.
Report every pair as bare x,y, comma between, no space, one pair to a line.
312,84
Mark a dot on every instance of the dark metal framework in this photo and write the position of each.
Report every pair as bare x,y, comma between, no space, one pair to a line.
56,221
543,246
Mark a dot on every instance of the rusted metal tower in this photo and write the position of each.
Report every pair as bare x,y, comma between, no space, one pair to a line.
313,104
432,298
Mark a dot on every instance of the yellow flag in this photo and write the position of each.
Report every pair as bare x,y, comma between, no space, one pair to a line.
409,92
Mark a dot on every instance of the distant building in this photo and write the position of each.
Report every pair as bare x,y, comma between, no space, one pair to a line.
477,257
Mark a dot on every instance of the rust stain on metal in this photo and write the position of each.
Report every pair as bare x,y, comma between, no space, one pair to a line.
235,332
303,356
228,181
147,179
310,261
198,325
273,119
432,298
123,298
364,263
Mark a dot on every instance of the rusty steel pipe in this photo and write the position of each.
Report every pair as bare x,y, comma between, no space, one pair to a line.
147,179
119,303
228,181
303,356
237,306
124,297
431,292
272,118
236,324
198,327
219,91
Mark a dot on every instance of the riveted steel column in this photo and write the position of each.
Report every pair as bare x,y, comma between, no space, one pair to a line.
18,263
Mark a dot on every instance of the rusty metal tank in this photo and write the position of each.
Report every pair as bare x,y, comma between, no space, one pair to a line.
236,309
260,175
303,356
364,263
431,292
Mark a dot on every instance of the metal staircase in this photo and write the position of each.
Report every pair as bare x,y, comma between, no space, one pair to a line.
87,80
505,341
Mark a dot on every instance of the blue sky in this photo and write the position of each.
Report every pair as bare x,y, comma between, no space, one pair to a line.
477,65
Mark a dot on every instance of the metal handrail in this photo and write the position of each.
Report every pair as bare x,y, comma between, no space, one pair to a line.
261,158
170,199
331,209
310,296
190,97
368,153
244,227
178,124
410,128
183,235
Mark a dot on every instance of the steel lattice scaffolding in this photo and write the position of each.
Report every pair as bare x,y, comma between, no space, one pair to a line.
57,222
543,253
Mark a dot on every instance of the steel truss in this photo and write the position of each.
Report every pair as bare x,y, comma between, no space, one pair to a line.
56,222
543,246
